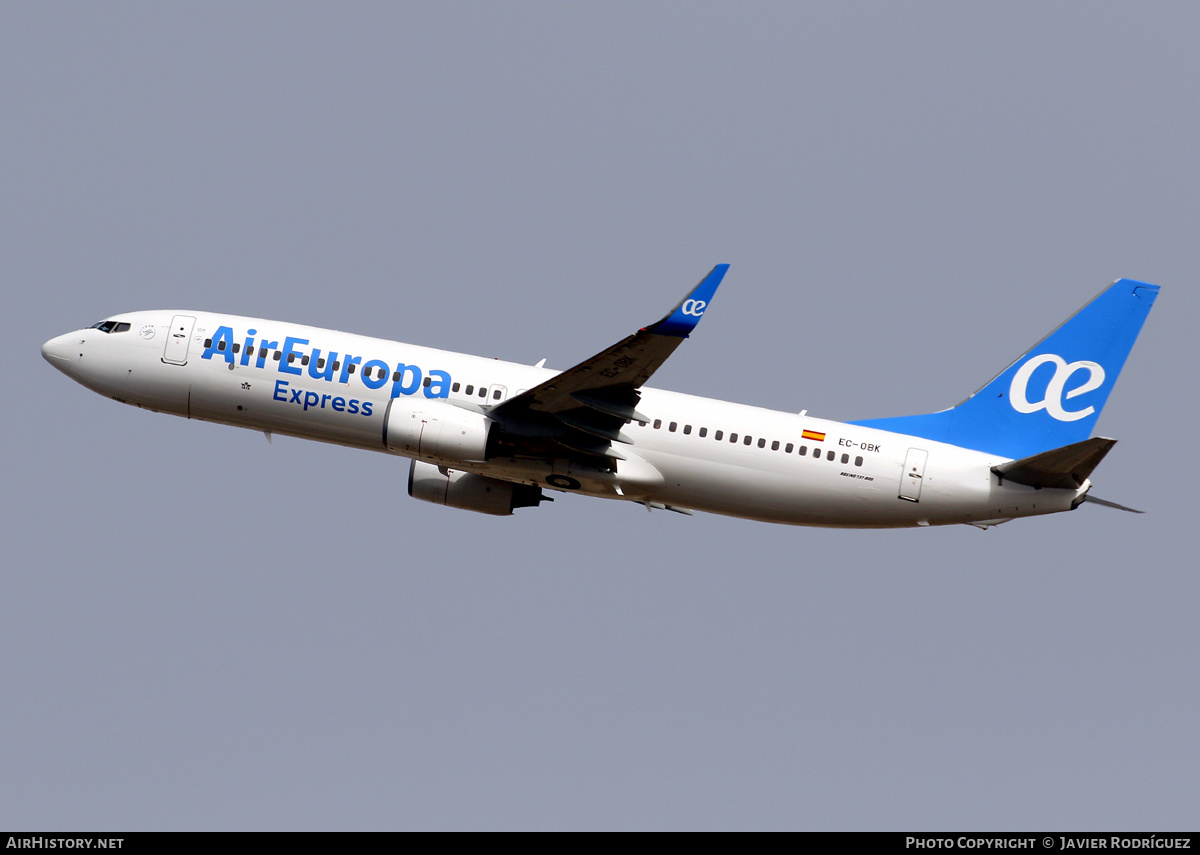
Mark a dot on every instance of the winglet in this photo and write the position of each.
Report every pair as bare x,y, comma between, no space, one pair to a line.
684,317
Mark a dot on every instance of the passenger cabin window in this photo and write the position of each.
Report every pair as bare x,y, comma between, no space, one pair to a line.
657,424
858,461
483,391
703,432
787,449
717,436
830,456
495,393
845,459
672,426
687,429
426,382
733,437
456,386
775,445
803,450
470,388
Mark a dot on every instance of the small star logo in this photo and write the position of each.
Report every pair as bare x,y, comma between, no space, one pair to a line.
245,385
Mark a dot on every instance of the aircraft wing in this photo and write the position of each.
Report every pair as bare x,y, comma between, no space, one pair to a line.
583,409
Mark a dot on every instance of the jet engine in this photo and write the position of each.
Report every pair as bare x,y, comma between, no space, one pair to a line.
432,430
456,489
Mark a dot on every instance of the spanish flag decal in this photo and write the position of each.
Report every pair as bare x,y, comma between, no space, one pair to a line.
812,434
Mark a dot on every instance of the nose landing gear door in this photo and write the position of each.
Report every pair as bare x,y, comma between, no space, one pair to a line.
178,336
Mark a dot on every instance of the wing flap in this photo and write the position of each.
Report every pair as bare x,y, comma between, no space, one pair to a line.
620,409
605,427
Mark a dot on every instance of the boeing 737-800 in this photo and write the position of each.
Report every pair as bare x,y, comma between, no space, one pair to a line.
491,436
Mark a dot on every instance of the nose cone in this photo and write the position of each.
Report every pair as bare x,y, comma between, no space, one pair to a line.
61,351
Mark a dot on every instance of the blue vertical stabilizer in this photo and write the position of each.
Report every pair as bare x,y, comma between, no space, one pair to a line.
1052,395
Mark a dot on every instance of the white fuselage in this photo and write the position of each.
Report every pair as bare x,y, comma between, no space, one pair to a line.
685,455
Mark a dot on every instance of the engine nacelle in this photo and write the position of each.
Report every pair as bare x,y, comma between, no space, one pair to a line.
456,489
432,430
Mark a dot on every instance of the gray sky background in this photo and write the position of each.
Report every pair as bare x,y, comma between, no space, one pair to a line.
201,630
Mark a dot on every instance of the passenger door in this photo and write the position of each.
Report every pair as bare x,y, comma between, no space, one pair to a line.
178,337
913,475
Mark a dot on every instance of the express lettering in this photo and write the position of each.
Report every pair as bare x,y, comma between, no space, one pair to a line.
315,400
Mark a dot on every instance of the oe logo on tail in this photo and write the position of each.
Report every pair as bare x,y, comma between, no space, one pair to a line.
1052,401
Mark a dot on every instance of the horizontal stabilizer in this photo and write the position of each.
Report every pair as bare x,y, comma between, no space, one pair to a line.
1063,468
1106,503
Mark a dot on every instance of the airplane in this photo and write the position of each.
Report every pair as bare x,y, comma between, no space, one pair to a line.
492,436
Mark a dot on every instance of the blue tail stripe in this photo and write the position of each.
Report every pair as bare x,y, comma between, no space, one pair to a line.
1052,395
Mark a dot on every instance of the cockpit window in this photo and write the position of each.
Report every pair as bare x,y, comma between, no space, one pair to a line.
111,326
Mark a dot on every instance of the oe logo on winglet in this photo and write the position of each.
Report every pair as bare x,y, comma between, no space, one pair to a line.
1052,403
695,308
